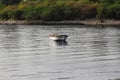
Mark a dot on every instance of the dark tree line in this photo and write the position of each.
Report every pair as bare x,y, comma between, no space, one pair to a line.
9,2
59,9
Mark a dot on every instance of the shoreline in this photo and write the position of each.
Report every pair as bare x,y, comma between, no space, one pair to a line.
91,22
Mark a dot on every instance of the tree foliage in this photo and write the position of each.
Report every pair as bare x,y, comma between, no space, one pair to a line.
9,2
59,9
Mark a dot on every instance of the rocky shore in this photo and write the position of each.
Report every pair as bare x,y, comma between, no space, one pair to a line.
74,22
102,22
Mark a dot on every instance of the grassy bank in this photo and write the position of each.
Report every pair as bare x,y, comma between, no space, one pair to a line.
58,10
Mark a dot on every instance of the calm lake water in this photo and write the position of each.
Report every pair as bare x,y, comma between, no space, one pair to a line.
90,53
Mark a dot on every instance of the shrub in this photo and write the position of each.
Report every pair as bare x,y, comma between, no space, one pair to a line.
53,12
17,14
68,13
117,2
9,2
94,0
113,11
23,5
4,15
9,8
88,11
101,12
31,13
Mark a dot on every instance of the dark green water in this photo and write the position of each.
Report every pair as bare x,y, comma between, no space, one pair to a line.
90,53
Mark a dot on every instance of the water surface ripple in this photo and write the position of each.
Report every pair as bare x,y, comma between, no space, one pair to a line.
90,53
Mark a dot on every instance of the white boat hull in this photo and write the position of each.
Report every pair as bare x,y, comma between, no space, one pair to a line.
58,38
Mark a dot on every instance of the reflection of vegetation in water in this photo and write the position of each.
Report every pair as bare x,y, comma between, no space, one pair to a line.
60,9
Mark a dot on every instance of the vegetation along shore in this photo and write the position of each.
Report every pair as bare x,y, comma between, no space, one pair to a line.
89,12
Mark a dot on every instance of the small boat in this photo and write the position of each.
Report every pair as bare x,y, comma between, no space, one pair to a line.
56,37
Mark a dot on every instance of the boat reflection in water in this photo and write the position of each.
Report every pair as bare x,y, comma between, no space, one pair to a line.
58,43
61,43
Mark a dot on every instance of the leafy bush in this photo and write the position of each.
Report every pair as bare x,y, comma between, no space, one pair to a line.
101,12
68,13
31,13
9,2
113,11
52,12
88,11
94,0
9,8
5,10
117,2
17,14
4,15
